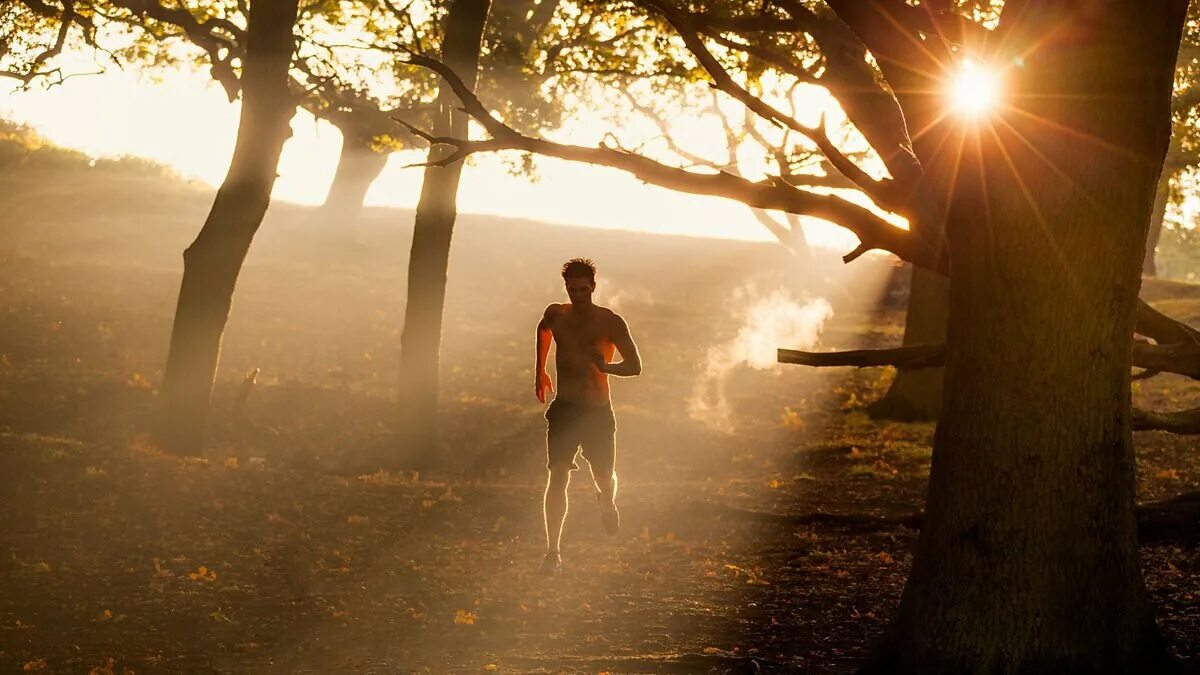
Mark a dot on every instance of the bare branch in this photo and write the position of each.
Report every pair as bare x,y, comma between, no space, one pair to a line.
912,357
1179,422
1181,357
882,192
774,194
1163,329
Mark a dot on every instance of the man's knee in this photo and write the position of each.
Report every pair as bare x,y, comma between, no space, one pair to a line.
603,473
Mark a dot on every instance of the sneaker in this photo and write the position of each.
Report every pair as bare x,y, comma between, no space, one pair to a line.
552,564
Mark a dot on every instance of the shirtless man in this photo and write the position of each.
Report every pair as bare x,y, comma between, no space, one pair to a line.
581,413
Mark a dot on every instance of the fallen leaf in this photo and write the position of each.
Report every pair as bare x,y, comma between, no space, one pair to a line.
203,574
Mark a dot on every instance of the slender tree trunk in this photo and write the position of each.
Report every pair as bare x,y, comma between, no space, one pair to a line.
1161,197
917,394
420,342
1027,560
359,164
211,264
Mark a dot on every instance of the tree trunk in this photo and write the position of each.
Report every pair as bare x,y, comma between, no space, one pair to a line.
917,394
420,341
1027,561
211,264
359,164
1161,197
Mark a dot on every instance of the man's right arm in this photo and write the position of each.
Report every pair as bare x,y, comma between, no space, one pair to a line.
542,338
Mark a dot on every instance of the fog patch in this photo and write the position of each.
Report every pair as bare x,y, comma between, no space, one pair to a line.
767,323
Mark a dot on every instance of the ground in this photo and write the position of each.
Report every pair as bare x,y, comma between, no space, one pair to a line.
284,549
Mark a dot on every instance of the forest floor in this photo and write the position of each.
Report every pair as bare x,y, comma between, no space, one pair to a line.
282,550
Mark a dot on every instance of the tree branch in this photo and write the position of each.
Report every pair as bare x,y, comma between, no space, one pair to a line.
912,357
1186,422
880,191
873,231
220,48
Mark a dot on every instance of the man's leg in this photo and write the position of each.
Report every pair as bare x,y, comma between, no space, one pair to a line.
600,450
555,505
606,486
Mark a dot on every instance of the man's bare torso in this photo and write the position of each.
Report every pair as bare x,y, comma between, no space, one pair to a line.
578,336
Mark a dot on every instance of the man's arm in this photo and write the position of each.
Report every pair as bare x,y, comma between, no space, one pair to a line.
542,338
631,361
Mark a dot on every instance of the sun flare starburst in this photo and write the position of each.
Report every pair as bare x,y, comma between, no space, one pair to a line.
974,90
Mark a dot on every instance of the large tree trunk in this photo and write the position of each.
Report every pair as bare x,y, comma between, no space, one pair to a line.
1157,217
1027,561
359,164
917,394
211,264
420,342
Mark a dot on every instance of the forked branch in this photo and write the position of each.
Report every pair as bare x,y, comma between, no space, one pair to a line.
873,231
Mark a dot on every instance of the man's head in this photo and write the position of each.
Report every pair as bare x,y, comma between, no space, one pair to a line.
579,276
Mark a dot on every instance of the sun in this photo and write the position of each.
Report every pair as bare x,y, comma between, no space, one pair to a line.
974,90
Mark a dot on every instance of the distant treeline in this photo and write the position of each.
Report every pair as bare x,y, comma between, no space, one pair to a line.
22,146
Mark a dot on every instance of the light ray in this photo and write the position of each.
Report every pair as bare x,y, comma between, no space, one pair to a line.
1051,240
1089,138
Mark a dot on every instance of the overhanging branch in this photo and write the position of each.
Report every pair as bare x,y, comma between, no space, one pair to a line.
873,231
882,192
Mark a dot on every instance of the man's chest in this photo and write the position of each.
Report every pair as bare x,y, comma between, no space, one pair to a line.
568,330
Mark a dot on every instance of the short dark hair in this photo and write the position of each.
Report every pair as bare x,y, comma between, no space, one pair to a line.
579,267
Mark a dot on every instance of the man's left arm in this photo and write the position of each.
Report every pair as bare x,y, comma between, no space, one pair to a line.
631,361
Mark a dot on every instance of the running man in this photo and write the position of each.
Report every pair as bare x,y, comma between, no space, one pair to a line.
581,414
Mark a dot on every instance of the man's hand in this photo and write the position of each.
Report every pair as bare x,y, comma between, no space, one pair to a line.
598,360
541,385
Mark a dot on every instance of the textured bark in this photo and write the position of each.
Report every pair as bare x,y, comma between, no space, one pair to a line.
916,394
1027,561
359,164
212,263
420,342
1161,196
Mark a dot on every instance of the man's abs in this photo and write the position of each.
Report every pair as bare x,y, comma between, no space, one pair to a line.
583,388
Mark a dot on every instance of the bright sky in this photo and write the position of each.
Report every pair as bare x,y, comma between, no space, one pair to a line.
190,126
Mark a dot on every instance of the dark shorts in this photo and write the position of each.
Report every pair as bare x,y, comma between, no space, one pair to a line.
571,425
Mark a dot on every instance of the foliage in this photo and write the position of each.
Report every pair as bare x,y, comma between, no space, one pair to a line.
21,146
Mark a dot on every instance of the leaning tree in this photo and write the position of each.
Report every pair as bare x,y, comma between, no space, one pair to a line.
1038,215
262,53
